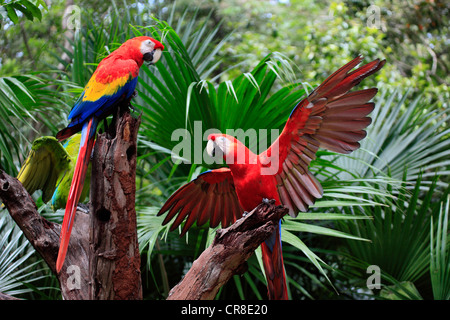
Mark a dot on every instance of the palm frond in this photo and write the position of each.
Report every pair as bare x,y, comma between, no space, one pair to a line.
18,268
439,253
23,100
403,135
399,234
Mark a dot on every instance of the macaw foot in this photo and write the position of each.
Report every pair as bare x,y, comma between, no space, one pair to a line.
131,107
83,207
266,201
245,214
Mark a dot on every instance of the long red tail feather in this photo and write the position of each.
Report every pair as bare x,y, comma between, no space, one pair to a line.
86,145
274,267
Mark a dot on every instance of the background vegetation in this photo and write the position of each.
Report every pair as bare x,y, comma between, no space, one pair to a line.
245,64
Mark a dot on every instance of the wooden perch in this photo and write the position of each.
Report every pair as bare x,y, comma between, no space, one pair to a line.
228,253
115,261
103,263
44,235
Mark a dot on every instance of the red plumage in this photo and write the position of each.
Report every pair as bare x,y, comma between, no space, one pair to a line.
331,117
113,81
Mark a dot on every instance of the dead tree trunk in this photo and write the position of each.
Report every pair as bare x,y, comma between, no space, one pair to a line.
115,260
228,253
103,263
44,237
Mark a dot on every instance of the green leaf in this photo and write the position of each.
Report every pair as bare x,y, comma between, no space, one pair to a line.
18,268
18,6
328,216
12,14
292,225
440,254
32,8
315,260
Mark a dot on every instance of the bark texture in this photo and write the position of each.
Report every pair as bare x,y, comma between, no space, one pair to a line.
115,259
44,237
102,260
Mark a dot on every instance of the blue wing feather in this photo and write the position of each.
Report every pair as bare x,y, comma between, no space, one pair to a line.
84,110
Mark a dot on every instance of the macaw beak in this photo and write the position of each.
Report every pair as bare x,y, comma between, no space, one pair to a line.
211,148
153,56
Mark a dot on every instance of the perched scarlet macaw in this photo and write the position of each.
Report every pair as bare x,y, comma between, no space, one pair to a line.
331,117
113,81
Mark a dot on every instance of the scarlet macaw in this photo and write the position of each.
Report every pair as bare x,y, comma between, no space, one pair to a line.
113,81
331,117
49,167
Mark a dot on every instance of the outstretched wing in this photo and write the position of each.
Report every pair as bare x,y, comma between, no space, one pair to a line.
211,196
46,161
331,117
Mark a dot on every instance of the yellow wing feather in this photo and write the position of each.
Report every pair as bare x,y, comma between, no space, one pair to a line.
46,161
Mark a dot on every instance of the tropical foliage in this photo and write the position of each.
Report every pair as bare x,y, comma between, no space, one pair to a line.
385,205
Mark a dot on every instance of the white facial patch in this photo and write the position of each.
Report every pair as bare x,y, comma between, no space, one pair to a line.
210,148
149,52
147,46
224,144
218,148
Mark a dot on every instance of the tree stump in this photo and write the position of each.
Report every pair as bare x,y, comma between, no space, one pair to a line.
104,262
114,259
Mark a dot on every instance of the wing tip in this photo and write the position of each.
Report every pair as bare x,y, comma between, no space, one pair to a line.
67,132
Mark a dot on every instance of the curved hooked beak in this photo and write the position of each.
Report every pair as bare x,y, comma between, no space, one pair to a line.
153,56
211,148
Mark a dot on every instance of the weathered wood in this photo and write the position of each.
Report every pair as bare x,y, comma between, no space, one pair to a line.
44,237
228,253
115,259
102,260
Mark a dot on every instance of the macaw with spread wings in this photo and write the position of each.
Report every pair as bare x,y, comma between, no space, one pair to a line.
331,117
